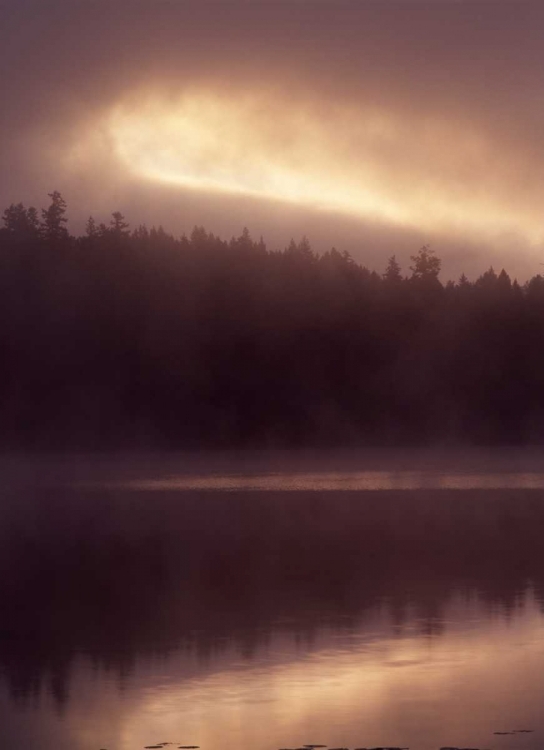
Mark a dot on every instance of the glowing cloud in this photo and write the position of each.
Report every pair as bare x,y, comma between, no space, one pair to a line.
427,173
248,147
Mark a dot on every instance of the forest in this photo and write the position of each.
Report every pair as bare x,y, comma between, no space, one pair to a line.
133,338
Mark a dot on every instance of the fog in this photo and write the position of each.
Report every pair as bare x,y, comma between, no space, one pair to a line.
374,128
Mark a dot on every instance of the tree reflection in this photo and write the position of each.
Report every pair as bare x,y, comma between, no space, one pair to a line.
118,575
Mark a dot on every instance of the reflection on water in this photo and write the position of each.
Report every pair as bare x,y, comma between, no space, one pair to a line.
267,619
341,481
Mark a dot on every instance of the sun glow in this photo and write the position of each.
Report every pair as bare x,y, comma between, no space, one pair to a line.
362,161
246,148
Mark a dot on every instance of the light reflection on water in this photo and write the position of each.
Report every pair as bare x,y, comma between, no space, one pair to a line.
349,689
342,481
387,615
392,690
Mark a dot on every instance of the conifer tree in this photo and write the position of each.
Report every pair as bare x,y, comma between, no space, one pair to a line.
90,227
118,226
426,264
54,221
21,222
392,273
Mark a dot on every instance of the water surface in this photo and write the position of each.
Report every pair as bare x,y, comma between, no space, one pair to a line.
271,600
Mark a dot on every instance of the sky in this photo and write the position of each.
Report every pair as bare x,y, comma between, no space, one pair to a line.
374,127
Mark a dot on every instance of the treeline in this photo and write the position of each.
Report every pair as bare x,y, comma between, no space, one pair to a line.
136,338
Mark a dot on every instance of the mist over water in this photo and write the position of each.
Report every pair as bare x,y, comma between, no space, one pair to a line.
145,600
274,242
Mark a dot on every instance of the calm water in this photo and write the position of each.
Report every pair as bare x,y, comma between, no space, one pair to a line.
268,601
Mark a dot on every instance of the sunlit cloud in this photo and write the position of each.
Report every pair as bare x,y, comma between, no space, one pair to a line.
374,127
365,161
250,147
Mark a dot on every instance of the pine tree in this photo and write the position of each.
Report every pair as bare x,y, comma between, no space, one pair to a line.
118,226
392,273
90,228
21,222
426,264
54,221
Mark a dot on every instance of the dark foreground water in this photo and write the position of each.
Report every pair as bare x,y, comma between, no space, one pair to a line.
268,602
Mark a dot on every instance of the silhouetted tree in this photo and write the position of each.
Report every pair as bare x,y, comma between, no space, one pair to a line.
141,232
504,283
21,222
392,272
54,220
118,226
426,264
488,280
463,282
90,228
194,341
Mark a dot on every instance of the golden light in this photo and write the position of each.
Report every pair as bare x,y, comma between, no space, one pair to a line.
404,687
416,171
247,147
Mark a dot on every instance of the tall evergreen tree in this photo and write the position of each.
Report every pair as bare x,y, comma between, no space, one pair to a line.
91,229
21,222
118,226
426,264
54,220
392,273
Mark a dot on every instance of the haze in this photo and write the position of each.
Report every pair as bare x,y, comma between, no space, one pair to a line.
374,127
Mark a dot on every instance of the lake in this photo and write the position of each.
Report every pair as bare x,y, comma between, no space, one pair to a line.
271,600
